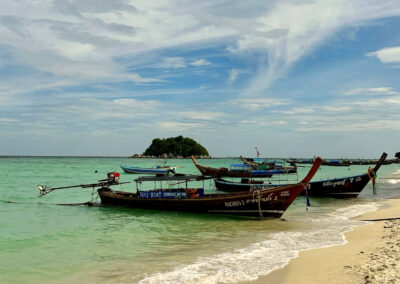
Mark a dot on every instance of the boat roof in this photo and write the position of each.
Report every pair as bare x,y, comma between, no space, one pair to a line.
171,178
240,165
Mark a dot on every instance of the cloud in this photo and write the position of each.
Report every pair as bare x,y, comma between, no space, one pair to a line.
233,74
353,127
76,7
172,62
200,62
298,29
259,103
121,109
178,126
7,120
298,110
387,55
14,24
262,122
85,41
372,91
202,115
180,62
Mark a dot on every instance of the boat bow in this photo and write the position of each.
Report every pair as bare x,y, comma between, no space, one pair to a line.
313,170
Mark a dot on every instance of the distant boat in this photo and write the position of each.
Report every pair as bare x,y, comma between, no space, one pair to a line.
236,170
344,187
261,164
325,162
149,171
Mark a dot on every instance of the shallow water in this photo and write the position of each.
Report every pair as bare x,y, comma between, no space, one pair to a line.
45,243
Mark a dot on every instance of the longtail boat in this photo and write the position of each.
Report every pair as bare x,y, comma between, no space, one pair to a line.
261,164
236,170
149,171
344,187
265,202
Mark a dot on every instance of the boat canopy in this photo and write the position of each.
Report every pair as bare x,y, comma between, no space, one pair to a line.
240,165
171,178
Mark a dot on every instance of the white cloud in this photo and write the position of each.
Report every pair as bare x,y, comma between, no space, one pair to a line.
99,110
178,126
387,55
298,110
263,122
200,62
259,103
233,74
372,91
172,62
7,120
202,115
353,126
80,40
299,28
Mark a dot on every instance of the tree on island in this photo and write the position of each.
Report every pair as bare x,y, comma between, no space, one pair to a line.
177,146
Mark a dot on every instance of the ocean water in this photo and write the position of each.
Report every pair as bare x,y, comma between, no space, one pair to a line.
41,242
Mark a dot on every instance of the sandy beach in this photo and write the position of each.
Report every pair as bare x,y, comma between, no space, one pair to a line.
371,255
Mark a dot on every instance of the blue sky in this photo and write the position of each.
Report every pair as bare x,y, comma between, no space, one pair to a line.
294,78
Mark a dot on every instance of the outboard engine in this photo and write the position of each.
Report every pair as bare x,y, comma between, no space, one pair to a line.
113,177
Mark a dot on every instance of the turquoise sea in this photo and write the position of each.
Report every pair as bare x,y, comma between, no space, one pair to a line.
41,242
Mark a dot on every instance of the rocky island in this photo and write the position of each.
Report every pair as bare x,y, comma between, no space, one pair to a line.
174,147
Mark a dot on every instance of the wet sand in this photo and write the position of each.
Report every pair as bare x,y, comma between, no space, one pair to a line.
371,255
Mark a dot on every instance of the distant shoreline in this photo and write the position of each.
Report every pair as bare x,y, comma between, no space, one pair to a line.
178,158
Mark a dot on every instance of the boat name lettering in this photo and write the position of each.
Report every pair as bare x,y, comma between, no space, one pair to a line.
234,203
285,193
334,183
264,199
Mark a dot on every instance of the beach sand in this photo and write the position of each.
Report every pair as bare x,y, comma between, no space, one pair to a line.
371,255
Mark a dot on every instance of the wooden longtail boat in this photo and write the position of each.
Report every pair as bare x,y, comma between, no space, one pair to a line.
261,164
266,202
237,170
148,171
345,187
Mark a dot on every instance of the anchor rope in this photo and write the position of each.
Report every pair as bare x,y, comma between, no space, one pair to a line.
259,201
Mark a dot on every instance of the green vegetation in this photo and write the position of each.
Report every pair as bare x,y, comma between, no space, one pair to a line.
177,146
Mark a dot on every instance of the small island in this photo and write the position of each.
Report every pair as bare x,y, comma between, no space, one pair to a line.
174,147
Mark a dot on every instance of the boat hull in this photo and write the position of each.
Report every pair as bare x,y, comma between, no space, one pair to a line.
271,202
346,187
225,172
147,171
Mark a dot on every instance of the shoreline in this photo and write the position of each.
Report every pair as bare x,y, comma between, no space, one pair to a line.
369,255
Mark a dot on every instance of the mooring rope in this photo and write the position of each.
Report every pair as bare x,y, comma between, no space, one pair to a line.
88,203
259,201
382,219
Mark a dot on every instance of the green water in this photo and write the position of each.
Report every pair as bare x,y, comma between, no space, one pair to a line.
45,243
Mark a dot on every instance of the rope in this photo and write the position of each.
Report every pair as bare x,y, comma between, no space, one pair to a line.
259,201
89,203
382,219
372,176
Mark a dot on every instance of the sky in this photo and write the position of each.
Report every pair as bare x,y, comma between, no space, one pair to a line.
294,78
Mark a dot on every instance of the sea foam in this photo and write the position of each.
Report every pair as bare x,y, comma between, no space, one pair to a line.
274,252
